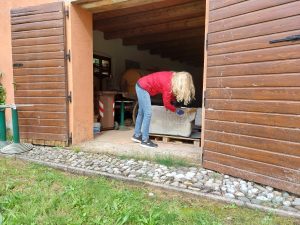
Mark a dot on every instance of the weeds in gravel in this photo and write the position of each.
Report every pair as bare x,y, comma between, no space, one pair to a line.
162,160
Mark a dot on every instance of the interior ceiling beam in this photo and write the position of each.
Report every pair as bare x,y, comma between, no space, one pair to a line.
159,28
163,15
192,48
185,56
138,7
80,2
173,44
141,40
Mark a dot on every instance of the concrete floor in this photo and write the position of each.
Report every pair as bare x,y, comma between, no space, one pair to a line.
119,142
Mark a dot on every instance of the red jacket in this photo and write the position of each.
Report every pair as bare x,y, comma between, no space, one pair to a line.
159,83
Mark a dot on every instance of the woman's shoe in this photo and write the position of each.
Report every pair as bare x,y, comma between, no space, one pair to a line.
148,144
137,139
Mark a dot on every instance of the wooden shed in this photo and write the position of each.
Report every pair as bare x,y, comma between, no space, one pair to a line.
250,54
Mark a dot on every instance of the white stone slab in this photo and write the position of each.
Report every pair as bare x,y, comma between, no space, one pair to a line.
168,123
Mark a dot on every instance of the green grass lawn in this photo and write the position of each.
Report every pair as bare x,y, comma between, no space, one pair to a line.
32,194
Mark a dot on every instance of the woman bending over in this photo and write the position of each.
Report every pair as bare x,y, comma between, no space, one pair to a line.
172,86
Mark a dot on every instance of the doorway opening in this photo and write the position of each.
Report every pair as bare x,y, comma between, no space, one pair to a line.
136,41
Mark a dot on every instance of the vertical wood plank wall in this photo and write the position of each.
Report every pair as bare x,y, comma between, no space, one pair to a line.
38,42
252,117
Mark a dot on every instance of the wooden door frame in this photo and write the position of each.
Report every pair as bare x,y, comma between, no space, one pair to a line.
204,77
67,53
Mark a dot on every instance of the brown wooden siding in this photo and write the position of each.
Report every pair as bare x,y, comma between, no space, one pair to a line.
38,43
252,116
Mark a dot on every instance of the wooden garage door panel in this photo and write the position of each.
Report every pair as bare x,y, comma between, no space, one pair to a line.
38,46
277,120
38,41
45,108
270,67
260,93
38,25
282,80
41,56
283,147
38,33
40,86
40,100
261,55
216,4
277,107
43,122
252,115
277,133
260,16
282,160
41,138
42,129
39,71
37,18
42,115
243,8
247,44
39,9
40,93
41,78
40,63
265,28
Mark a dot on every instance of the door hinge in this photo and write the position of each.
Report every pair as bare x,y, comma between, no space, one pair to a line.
70,138
204,99
67,12
69,97
68,55
18,65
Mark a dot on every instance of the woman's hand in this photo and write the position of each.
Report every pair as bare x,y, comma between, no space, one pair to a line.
179,112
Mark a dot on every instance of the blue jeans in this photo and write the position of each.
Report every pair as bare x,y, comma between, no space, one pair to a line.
143,118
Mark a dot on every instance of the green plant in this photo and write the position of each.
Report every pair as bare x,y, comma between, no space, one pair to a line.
2,92
76,149
9,135
162,160
171,161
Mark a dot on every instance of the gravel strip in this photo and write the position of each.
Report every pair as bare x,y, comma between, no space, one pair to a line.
192,180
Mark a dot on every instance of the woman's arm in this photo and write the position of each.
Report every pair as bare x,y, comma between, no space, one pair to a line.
167,97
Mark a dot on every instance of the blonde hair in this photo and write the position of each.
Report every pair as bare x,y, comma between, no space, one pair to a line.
183,87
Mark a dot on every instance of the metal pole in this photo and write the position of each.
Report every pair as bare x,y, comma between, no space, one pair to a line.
122,114
15,120
2,125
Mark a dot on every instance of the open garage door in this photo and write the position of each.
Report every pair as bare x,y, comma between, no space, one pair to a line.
38,47
252,115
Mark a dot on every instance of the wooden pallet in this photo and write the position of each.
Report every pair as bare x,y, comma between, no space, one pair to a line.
175,139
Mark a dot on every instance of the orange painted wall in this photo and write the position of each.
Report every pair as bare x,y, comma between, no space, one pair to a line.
80,33
79,40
